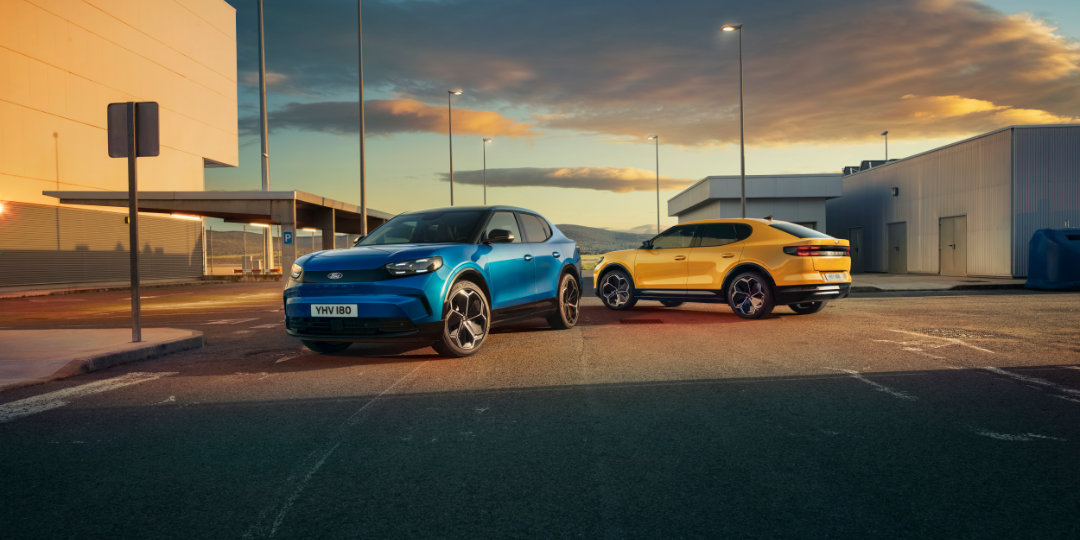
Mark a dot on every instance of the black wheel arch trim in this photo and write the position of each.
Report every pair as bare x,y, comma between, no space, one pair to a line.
610,268
743,267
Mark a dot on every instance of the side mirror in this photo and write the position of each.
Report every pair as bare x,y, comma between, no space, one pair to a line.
358,239
499,236
646,244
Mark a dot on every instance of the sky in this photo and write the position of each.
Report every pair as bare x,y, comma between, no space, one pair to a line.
570,90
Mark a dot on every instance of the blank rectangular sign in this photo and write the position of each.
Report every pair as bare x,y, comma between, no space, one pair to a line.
146,129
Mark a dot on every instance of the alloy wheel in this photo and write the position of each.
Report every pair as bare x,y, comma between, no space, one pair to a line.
467,321
748,295
615,290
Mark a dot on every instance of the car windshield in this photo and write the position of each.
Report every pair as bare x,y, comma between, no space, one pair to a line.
450,226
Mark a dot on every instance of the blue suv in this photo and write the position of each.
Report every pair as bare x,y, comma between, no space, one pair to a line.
444,276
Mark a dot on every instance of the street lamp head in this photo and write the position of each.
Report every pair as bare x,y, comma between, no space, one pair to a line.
731,27
454,92
884,132
488,139
651,137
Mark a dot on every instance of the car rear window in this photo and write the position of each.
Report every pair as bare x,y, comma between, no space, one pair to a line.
798,231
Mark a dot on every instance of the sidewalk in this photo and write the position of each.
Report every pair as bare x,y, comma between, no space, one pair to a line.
874,282
35,356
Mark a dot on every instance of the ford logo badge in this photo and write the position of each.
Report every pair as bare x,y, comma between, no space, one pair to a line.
335,275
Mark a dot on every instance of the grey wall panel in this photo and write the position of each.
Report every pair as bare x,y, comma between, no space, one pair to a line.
971,178
48,245
1046,185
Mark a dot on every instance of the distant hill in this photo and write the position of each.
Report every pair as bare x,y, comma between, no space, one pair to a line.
649,229
594,240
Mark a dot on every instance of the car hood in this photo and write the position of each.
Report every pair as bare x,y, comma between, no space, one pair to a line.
367,257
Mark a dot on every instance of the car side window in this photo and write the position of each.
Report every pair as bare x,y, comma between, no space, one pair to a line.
716,234
505,221
536,229
674,238
743,231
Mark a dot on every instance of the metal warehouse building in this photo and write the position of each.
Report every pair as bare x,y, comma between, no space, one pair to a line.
966,209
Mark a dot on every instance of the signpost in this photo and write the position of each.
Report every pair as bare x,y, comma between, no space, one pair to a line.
133,132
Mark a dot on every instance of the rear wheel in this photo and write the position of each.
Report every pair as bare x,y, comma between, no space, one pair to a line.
617,291
672,303
568,303
806,308
466,320
326,347
750,296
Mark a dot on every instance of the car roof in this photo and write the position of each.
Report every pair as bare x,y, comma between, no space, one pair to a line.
760,221
473,208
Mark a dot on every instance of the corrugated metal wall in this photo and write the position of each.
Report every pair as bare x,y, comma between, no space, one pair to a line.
1046,186
49,245
971,178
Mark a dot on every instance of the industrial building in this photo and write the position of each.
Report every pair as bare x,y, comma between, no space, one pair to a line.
799,198
966,209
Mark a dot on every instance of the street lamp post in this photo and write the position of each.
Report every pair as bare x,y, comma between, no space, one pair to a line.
742,137
363,162
886,135
657,139
450,128
486,140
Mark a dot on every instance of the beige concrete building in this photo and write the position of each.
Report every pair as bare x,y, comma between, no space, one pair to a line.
61,63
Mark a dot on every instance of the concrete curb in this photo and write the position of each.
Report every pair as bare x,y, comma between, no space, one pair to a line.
982,287
98,362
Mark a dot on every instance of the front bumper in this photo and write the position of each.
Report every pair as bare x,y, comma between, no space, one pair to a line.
796,294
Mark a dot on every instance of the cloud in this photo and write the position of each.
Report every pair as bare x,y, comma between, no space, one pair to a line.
388,116
617,180
813,72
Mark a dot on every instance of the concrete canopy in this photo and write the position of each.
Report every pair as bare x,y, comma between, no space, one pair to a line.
289,209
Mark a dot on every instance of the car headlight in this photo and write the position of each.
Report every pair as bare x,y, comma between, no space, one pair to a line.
296,271
416,266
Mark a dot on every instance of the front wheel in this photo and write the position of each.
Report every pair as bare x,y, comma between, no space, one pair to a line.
466,320
617,291
806,308
326,347
568,302
750,296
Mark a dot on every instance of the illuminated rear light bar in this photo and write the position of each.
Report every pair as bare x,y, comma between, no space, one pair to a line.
818,251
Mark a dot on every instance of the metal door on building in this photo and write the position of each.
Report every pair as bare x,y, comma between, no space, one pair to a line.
855,237
952,246
897,242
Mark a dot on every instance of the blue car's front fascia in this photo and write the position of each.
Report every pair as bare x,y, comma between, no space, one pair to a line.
418,298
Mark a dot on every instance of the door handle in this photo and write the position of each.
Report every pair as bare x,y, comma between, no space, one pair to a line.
528,257
680,257
555,254
727,255
952,246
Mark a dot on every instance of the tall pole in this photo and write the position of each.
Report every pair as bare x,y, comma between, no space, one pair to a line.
886,135
363,164
657,139
133,226
268,235
742,137
484,143
450,129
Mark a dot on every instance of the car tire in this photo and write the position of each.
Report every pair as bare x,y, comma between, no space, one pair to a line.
806,308
750,296
617,290
466,320
326,347
567,303
672,303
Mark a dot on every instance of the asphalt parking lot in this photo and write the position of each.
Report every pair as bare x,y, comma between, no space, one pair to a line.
919,414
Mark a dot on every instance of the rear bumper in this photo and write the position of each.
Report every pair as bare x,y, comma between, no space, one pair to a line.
796,294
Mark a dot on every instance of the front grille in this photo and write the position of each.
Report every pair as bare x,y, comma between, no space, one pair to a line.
347,276
333,326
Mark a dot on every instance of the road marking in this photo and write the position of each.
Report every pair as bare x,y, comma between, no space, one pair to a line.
954,341
1034,380
296,482
287,358
1072,367
57,399
880,387
241,332
271,325
231,321
171,399
1022,437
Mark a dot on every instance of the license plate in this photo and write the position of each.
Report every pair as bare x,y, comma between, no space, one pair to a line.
835,276
333,310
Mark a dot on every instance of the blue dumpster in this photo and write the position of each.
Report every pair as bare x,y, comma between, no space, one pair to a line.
1054,259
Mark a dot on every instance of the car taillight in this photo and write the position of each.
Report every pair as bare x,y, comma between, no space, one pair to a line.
818,251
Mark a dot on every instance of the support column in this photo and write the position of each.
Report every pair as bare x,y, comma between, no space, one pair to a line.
284,213
326,225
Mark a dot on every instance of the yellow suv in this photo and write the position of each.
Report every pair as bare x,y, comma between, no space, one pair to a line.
750,264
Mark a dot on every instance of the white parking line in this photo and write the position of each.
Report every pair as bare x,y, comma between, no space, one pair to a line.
1035,380
1020,437
54,400
271,325
231,321
880,387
